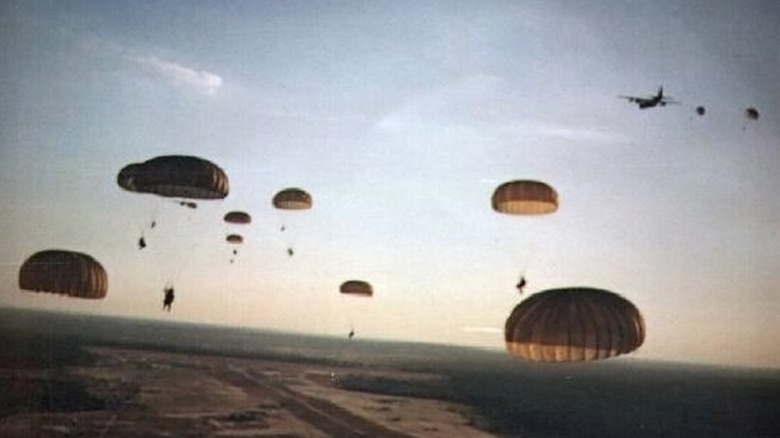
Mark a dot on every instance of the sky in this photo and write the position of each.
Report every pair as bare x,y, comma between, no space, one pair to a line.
400,118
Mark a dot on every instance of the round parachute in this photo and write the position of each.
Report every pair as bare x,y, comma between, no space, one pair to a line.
700,110
175,176
751,113
290,202
234,238
573,324
64,272
238,217
525,197
292,199
356,287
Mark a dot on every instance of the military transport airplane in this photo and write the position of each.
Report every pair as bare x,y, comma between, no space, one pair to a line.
651,101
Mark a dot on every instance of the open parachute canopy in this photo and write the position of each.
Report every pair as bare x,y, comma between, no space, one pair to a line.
573,324
700,110
292,199
751,113
175,176
236,239
64,272
237,217
524,197
356,287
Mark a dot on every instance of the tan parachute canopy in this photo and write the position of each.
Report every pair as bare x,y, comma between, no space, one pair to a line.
356,287
175,176
524,197
237,217
234,238
64,272
573,324
292,199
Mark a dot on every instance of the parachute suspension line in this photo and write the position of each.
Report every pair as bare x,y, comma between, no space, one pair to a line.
150,222
178,268
290,202
172,259
191,249
287,229
525,263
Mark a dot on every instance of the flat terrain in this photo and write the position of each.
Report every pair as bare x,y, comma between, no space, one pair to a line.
74,375
159,394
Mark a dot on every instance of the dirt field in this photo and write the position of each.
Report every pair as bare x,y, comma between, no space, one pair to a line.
154,394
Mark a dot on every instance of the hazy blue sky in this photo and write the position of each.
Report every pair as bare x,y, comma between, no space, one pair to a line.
400,118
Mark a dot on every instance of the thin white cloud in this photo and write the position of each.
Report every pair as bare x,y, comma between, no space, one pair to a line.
578,133
468,99
199,80
487,330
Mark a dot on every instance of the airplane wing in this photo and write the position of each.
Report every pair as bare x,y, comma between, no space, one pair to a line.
632,98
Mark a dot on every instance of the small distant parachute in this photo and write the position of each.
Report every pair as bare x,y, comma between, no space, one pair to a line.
63,272
700,111
238,217
292,199
289,202
175,176
525,197
573,324
235,239
751,115
357,288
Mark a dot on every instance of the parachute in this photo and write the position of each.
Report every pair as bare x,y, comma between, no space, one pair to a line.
525,197
236,239
357,288
292,199
751,115
573,324
700,110
63,272
238,217
175,176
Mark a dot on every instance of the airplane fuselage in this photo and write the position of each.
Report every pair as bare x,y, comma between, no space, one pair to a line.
650,101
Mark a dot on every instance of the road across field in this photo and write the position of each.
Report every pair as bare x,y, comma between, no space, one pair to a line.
325,416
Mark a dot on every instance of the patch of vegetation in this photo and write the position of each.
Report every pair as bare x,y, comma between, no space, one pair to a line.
57,394
38,351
